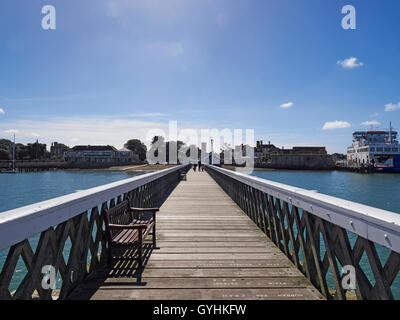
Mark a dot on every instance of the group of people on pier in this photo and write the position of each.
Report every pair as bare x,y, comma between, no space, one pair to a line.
200,165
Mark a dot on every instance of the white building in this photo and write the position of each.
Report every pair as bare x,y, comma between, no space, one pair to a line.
100,155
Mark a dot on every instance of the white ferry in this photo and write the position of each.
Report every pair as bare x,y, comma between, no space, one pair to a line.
377,149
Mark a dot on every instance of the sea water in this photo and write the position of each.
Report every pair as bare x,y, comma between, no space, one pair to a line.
21,189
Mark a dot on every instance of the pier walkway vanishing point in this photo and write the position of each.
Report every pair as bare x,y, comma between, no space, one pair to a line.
207,248
221,235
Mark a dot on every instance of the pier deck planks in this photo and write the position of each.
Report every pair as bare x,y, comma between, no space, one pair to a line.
207,249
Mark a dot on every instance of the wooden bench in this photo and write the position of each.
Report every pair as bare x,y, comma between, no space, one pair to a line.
182,175
126,227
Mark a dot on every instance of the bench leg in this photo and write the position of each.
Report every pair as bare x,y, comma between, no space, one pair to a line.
154,234
140,248
110,258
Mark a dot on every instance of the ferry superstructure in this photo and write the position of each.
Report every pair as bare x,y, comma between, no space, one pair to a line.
378,149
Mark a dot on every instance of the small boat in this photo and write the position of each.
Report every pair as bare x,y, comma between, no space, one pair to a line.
15,170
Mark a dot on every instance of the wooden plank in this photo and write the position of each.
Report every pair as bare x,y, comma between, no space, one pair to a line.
198,283
216,239
209,256
209,294
206,233
204,264
200,244
220,272
213,249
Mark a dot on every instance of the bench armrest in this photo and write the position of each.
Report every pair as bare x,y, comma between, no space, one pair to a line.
123,226
144,209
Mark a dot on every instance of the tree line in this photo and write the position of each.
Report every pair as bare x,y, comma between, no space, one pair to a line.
38,151
31,151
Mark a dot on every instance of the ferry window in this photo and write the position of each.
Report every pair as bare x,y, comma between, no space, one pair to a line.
379,149
372,149
395,150
387,149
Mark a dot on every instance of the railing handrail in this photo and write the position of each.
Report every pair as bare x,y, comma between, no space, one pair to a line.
378,225
21,223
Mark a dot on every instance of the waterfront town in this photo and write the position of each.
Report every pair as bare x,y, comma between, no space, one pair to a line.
266,155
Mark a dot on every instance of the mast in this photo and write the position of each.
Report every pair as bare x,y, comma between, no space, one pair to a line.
390,132
13,161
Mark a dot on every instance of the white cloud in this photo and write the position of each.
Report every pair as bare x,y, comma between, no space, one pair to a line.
335,125
2,111
11,131
392,106
155,114
287,105
371,123
350,63
89,130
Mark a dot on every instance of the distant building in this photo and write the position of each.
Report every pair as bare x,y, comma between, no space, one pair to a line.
262,149
100,155
37,151
58,149
125,155
263,153
304,150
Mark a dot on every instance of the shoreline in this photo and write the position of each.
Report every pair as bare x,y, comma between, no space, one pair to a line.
134,168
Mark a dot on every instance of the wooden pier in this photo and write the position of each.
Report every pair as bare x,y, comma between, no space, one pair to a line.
207,248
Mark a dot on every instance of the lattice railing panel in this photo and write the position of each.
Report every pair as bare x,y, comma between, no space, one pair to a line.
317,247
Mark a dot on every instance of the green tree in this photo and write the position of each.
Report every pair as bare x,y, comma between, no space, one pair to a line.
138,147
5,144
5,154
339,156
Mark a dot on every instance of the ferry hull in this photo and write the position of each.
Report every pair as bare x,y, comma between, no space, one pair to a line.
387,170
394,169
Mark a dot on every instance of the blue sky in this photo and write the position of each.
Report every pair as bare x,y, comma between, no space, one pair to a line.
113,69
